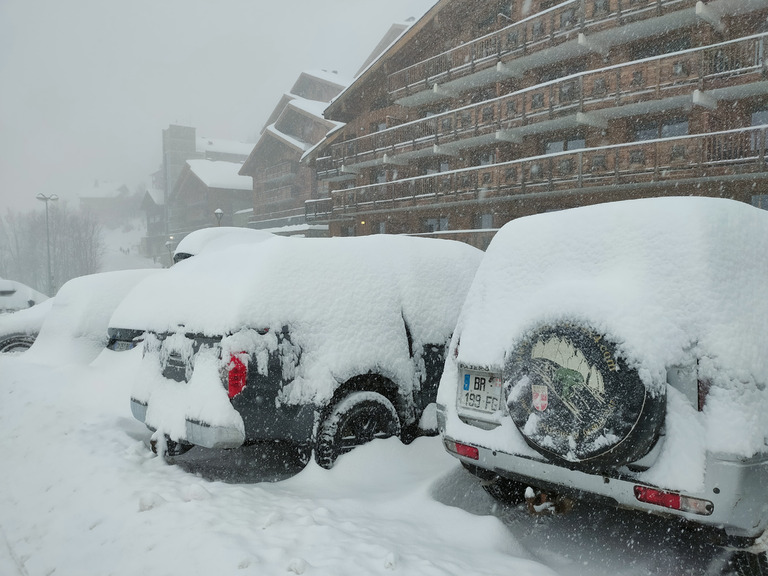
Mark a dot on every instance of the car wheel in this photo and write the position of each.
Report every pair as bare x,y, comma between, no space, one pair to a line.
355,420
17,342
576,401
749,564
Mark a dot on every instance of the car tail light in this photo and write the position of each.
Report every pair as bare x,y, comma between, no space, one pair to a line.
237,374
467,451
673,500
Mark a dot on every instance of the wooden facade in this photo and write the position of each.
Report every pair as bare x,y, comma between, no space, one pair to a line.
487,111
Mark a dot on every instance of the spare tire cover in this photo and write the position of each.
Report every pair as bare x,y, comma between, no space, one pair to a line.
575,401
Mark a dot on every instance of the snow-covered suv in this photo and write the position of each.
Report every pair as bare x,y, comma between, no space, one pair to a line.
316,343
620,352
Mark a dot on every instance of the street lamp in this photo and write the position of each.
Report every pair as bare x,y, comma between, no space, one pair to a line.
52,198
218,213
169,246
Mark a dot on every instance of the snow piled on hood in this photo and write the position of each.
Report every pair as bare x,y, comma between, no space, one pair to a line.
75,329
659,276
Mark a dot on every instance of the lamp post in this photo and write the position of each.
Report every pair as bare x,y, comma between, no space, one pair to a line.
52,198
169,246
218,213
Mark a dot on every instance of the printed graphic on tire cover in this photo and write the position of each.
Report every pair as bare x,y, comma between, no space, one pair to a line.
574,399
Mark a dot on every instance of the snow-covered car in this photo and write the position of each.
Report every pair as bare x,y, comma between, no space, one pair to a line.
218,238
319,344
19,329
17,296
75,326
619,352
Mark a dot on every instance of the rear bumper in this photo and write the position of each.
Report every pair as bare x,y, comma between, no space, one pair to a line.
735,488
198,433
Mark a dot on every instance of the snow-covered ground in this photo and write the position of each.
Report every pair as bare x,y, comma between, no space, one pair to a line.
81,495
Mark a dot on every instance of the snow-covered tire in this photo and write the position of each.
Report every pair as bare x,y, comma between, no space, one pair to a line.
167,447
749,564
575,400
355,420
16,342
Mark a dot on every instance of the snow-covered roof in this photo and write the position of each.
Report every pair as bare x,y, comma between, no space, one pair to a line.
204,144
329,76
219,174
157,195
290,140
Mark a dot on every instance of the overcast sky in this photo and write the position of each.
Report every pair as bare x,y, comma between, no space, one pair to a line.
87,86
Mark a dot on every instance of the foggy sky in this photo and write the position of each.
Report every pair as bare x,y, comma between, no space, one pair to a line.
86,86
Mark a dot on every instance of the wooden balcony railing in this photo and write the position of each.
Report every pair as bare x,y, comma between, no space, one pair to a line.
543,30
278,172
733,62
697,156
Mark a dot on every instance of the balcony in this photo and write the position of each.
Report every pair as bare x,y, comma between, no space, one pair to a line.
277,174
697,76
570,29
718,156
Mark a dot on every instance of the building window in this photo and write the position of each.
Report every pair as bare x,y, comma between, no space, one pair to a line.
486,178
511,107
661,129
382,228
637,156
536,171
537,29
512,39
759,118
637,79
446,125
600,8
574,143
486,158
599,87
598,163
487,114
565,166
537,100
485,221
435,224
510,174
569,91
567,18
681,68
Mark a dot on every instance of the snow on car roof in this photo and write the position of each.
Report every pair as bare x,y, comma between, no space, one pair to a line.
17,296
672,280
659,274
75,328
334,293
218,238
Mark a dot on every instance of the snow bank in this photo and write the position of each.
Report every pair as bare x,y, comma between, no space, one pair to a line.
75,329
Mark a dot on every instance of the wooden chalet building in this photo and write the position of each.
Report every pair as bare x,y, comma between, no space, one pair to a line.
281,184
485,111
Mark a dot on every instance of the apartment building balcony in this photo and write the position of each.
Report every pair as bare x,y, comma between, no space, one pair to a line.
282,173
571,29
694,77
693,159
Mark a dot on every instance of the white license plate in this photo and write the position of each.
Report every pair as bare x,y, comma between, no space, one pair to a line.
480,391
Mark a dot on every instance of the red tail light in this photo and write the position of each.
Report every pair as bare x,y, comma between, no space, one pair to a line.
237,374
673,500
467,451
